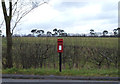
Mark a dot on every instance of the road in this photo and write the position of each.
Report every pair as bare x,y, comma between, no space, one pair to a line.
38,81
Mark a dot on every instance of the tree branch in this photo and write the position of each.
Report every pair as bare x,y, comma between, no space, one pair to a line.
10,11
23,15
1,24
4,10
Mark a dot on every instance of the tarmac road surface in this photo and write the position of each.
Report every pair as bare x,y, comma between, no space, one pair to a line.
40,81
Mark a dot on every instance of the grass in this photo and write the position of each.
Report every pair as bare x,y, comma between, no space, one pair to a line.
73,72
78,41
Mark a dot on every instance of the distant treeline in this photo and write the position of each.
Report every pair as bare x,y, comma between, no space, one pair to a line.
62,33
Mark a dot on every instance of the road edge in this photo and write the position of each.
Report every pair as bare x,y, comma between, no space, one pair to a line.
18,76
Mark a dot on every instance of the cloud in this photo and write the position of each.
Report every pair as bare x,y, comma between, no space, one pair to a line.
43,13
73,16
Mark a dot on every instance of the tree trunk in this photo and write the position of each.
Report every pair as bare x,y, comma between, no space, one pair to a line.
7,19
9,63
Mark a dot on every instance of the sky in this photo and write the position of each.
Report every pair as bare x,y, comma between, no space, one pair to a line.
73,16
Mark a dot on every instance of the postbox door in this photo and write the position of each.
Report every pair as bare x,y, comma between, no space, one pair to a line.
60,45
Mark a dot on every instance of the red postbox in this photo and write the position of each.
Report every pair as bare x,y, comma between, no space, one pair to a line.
60,46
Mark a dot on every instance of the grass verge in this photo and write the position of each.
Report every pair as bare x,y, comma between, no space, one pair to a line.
73,72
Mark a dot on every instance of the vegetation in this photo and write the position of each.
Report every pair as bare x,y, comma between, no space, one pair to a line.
79,53
65,72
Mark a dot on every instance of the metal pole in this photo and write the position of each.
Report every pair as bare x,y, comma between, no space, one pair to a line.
60,62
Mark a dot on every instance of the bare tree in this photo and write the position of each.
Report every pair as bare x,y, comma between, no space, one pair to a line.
40,32
24,8
92,32
115,32
60,31
105,32
7,18
49,33
55,30
14,13
34,31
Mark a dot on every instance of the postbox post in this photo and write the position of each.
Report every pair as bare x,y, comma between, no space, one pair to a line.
60,62
60,50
